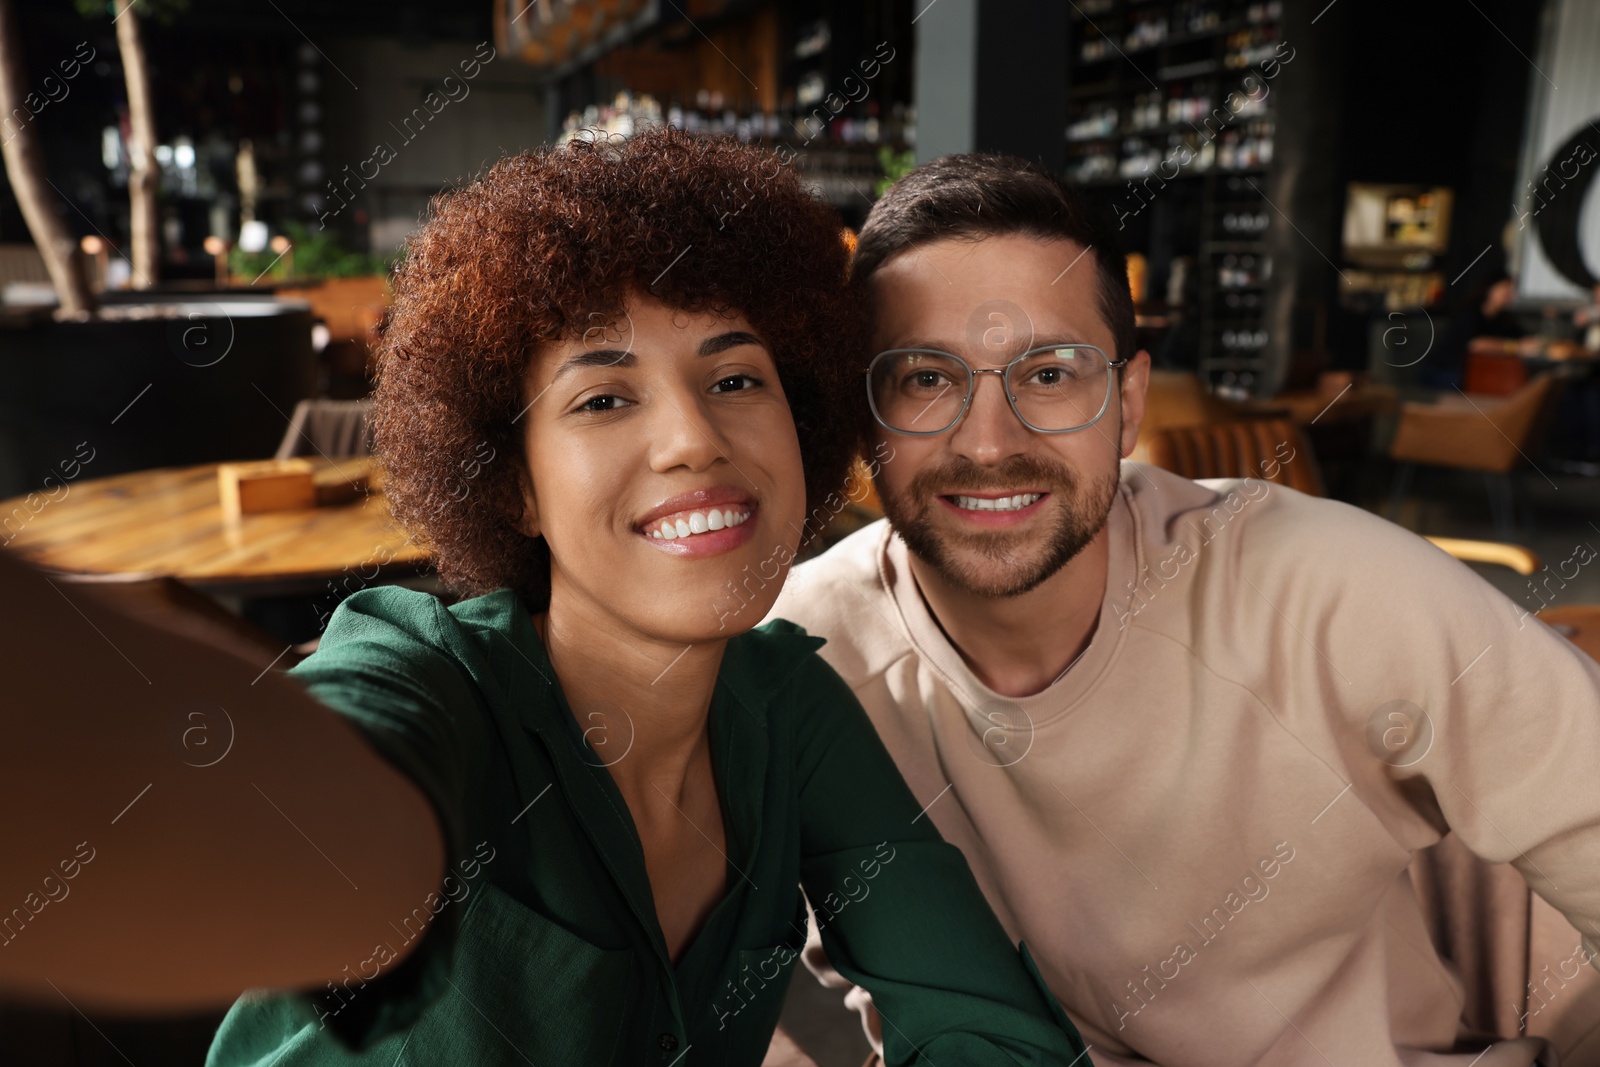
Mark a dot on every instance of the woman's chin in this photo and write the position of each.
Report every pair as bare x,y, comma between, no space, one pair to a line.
715,603
697,593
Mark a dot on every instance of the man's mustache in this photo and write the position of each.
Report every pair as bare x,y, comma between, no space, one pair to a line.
1018,472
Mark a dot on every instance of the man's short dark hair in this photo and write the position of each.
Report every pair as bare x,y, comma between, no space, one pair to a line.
984,194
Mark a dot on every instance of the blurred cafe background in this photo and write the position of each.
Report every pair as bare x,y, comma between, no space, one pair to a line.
1359,226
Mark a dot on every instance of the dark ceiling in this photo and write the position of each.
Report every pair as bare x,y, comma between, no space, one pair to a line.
419,20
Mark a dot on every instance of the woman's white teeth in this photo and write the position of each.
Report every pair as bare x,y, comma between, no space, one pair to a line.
699,522
1005,503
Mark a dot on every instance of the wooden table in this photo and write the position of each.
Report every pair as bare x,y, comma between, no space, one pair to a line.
170,523
1578,623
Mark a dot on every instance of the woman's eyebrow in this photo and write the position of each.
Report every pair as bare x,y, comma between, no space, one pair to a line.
610,357
712,346
604,357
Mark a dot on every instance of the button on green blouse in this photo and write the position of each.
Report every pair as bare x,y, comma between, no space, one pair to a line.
543,946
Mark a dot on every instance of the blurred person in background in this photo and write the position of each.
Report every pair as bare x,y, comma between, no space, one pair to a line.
1479,320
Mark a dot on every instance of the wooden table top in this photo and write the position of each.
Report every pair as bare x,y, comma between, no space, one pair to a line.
1578,623
170,522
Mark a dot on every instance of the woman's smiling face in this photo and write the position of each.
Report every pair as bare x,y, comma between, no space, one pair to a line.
664,467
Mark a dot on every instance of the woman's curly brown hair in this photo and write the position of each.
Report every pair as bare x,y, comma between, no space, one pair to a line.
546,246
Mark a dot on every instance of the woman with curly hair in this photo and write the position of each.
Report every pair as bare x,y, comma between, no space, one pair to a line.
567,819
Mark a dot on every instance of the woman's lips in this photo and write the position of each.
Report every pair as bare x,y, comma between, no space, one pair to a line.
700,532
722,497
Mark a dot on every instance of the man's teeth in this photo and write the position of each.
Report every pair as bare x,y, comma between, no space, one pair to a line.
1004,503
699,522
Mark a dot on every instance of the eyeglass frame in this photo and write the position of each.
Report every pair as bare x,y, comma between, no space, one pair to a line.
972,387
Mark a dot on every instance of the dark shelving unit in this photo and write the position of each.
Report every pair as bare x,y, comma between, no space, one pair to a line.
1166,101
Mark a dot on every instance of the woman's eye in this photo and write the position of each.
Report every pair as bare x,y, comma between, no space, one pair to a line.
735,383
604,402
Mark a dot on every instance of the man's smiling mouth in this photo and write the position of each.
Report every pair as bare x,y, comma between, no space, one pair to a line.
1015,502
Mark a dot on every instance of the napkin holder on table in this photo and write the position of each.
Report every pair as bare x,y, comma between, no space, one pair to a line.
289,484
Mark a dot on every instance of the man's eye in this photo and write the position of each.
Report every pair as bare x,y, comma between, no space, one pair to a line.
927,379
735,383
605,402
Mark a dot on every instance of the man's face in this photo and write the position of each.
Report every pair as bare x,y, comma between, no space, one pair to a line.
951,495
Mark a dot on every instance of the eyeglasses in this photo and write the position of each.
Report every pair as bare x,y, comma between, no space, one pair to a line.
1053,389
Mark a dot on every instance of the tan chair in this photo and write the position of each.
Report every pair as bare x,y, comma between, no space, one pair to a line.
1578,623
1475,433
1243,449
344,303
1177,399
1498,936
1240,448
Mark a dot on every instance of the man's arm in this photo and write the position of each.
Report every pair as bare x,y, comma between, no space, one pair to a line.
1498,730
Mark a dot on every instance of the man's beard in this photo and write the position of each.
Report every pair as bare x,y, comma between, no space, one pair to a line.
1021,560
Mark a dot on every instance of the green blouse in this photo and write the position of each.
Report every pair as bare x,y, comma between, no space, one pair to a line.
544,947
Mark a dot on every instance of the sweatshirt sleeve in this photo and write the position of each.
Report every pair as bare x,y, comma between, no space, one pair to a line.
1517,740
899,911
1461,710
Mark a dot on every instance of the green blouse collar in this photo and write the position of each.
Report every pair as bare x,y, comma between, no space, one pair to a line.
756,667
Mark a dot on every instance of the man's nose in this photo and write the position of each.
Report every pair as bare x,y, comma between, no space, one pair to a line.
990,432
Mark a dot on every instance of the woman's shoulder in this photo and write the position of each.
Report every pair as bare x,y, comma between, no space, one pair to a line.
769,661
396,613
392,635
776,665
775,650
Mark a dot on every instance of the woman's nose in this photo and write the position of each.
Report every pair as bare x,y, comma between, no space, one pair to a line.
684,435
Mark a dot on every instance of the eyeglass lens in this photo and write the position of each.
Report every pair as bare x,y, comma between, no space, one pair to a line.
1052,389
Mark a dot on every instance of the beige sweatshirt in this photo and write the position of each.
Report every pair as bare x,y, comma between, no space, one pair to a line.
1202,829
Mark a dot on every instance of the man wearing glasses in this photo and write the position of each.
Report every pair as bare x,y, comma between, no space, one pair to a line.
1189,735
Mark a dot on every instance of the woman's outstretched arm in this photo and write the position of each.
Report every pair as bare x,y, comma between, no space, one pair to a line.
179,827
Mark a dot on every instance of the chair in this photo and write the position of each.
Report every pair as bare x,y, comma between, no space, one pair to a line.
1177,399
1493,374
1476,434
1578,623
1249,448
331,428
1239,448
